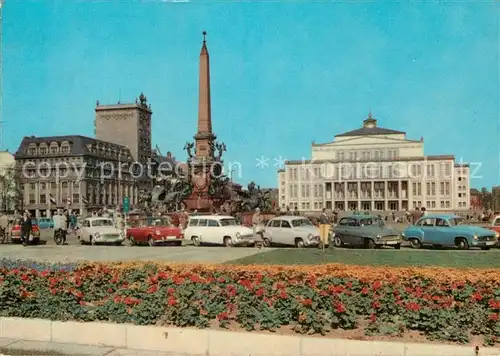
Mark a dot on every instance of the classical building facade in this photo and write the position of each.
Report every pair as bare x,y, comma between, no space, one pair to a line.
74,172
374,169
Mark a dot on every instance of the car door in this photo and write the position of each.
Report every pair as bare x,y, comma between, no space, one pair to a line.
272,229
285,234
442,234
84,232
213,233
201,230
341,229
353,232
427,225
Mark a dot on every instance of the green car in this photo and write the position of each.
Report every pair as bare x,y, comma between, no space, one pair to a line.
365,230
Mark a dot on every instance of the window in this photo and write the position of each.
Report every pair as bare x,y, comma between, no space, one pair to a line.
53,185
43,150
213,223
193,222
285,224
303,191
343,221
64,185
431,170
65,149
275,223
459,195
442,204
340,155
447,203
202,222
76,198
43,199
53,149
433,188
447,188
428,188
32,186
433,204
441,191
425,222
442,222
86,223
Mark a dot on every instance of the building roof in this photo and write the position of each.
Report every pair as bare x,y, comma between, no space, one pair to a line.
399,159
79,145
370,128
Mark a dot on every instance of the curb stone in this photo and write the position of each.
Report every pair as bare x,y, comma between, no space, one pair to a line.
131,340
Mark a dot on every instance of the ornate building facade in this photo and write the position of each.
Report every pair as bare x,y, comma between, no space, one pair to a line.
374,169
74,172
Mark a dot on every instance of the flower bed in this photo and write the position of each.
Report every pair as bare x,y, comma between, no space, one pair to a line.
443,304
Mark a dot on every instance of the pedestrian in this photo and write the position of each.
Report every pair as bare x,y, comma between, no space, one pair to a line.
26,227
324,229
257,227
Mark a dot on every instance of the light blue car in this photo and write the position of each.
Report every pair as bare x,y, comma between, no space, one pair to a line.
45,223
448,231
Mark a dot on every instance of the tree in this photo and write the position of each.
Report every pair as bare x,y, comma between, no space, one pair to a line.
9,190
486,198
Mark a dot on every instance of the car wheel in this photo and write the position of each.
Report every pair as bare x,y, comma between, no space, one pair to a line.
266,242
151,242
195,240
461,243
337,241
118,243
485,248
131,241
228,242
299,243
369,244
397,247
415,243
81,241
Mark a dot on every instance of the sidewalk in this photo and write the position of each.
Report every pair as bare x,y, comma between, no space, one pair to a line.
36,348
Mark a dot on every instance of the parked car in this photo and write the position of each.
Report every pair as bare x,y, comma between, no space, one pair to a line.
46,223
15,232
291,230
448,231
99,230
365,230
217,230
495,226
154,232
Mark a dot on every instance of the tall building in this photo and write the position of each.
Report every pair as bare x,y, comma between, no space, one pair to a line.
375,169
74,172
127,125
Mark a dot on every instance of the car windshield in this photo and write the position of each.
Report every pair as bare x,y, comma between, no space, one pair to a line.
228,222
456,221
301,222
159,222
102,222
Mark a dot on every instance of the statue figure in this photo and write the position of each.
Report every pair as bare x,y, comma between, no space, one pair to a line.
189,147
142,99
221,148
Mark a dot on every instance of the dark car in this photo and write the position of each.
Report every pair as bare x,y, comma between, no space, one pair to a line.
365,230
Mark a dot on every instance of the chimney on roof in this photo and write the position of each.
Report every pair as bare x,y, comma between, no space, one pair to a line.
370,121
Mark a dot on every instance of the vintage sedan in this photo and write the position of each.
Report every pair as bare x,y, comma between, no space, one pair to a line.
97,230
449,231
218,230
290,230
15,232
365,230
154,231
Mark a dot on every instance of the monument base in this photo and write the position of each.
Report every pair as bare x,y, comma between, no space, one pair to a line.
200,202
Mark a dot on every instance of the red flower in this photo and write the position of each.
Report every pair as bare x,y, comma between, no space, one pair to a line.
377,285
340,308
231,290
83,303
196,278
170,291
259,292
373,318
283,294
493,317
172,301
117,299
376,304
223,316
349,284
412,306
477,297
152,289
312,280
280,285
24,277
53,291
246,283
365,291
307,302
335,289
44,273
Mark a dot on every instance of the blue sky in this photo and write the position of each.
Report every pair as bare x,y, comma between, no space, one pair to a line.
283,74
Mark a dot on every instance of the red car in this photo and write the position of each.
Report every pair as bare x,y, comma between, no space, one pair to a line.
15,232
154,231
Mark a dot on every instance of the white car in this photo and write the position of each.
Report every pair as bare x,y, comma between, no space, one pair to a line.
217,230
291,230
99,230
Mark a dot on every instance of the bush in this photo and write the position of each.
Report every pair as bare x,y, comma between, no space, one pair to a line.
441,303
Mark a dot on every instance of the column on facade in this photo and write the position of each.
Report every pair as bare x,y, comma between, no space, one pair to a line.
116,192
386,194
372,195
136,195
359,194
104,191
345,194
400,193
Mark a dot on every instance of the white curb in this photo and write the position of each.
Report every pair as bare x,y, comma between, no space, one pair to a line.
207,342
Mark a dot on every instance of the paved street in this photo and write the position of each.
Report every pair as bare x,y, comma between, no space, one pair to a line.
76,252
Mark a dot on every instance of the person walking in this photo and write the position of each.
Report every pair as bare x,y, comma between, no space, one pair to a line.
26,227
324,229
257,227
61,225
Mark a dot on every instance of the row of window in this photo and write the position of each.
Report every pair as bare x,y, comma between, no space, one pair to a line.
367,154
369,170
444,189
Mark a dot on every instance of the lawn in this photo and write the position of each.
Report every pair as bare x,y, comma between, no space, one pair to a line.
388,257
